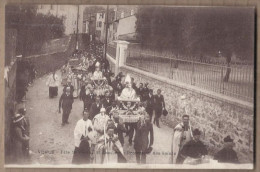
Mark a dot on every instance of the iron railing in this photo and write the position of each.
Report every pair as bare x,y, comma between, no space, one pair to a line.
239,83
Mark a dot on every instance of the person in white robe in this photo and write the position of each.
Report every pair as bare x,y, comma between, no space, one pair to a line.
109,149
128,92
97,75
182,134
100,121
83,138
53,83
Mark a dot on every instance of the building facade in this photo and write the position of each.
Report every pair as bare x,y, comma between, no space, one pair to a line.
100,26
69,12
90,24
122,23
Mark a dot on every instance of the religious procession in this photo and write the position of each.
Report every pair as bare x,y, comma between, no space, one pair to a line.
129,85
114,107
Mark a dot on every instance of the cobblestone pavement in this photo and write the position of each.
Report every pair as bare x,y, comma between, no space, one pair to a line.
52,144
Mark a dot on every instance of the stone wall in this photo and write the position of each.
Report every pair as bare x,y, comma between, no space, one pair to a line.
46,63
215,115
55,45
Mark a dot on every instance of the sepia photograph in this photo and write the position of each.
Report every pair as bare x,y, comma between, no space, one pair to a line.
129,86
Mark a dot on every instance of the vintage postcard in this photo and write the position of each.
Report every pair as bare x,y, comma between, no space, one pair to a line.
129,86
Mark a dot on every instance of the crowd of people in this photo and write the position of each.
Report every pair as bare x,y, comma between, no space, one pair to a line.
104,127
99,136
104,96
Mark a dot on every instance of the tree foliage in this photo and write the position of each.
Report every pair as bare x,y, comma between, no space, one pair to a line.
202,31
33,28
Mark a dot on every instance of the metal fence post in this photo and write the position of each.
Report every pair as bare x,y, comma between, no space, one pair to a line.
222,82
171,71
154,67
192,74
127,60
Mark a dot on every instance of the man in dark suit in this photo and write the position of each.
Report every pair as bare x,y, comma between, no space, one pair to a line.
227,153
26,126
194,148
108,74
142,141
82,92
95,108
107,101
88,99
150,104
134,84
117,85
70,86
140,91
146,91
159,106
66,101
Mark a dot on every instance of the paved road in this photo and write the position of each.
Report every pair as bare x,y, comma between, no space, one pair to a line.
52,144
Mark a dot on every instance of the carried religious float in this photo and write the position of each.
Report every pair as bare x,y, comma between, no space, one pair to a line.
98,81
129,109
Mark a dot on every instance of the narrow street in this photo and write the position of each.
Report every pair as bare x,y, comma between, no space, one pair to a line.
52,144
169,60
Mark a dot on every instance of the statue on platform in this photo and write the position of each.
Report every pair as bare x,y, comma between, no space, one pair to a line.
128,92
97,75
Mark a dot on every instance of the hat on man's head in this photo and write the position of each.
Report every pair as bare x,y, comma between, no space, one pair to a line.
228,139
18,117
196,131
